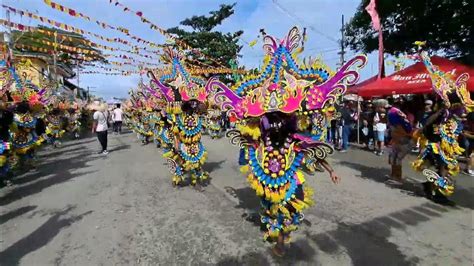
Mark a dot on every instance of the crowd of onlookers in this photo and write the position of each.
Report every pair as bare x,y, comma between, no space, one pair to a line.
371,121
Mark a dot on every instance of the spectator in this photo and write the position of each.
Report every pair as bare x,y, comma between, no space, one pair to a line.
349,117
225,121
99,126
380,125
468,139
380,121
368,120
232,120
117,119
334,132
364,133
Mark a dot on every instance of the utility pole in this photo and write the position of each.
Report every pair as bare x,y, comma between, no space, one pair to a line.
89,93
343,42
78,72
54,60
8,36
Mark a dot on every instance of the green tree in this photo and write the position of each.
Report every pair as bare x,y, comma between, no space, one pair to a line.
446,26
221,47
37,39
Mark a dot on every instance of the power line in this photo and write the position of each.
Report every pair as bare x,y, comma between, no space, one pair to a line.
293,16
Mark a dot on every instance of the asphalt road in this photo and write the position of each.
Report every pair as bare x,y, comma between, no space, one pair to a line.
81,208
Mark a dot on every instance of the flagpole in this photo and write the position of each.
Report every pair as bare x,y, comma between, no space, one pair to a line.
381,59
371,8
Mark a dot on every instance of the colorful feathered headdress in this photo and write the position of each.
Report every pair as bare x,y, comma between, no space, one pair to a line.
177,81
6,78
21,88
443,83
284,85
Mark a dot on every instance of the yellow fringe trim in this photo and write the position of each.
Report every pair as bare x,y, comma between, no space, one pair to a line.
244,169
252,131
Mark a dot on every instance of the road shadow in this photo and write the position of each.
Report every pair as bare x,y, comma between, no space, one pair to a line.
252,258
62,151
211,166
40,237
72,143
380,175
120,148
60,174
368,243
250,203
126,132
297,252
15,213
462,197
248,200
368,172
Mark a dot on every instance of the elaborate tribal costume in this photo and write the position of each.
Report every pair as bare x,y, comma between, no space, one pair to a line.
401,141
186,97
320,121
156,126
213,122
6,118
54,130
74,123
23,135
144,129
28,101
167,136
441,131
268,107
140,115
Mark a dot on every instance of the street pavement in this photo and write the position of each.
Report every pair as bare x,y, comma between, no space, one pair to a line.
81,208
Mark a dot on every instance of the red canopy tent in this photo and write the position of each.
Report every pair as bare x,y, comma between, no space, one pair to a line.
412,80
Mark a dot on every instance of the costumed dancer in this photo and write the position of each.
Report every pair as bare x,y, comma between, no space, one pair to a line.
439,144
28,102
213,120
401,133
132,112
143,127
153,107
186,97
267,107
6,120
156,126
166,135
73,119
23,135
54,130
318,131
163,122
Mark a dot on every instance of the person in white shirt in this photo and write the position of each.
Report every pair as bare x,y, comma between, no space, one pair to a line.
100,126
380,121
117,118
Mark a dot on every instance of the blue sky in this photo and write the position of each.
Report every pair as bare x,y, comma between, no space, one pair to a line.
322,18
